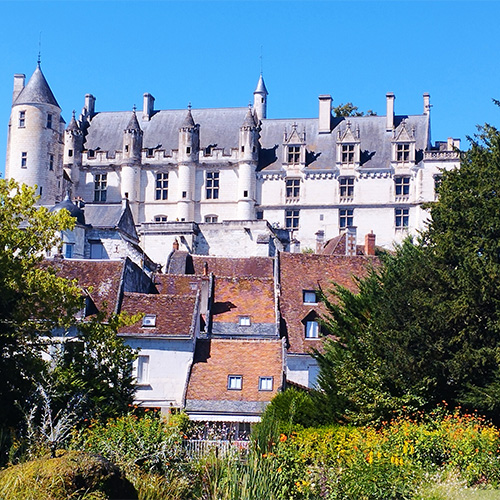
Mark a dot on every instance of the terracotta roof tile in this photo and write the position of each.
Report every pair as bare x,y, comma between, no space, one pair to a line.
180,284
302,272
257,267
216,359
235,297
173,314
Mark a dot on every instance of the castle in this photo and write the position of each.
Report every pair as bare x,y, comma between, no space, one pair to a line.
190,173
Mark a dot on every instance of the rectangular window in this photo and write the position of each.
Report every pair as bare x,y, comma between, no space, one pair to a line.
260,215
211,219
309,297
292,219
160,218
244,321
346,217
212,185
161,192
70,153
403,152
402,216
346,187
100,187
347,153
265,383
51,162
142,370
97,250
91,153
68,250
24,159
150,153
22,118
312,329
402,185
293,154
293,188
49,121
234,382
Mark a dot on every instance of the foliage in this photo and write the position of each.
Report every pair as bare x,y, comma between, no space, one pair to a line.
33,301
71,475
349,109
95,363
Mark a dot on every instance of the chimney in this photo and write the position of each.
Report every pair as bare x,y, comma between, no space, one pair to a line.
148,106
205,268
370,244
18,85
320,240
90,104
350,243
427,103
325,114
390,111
175,245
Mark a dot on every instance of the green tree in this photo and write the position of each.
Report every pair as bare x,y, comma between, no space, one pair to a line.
425,325
33,301
347,109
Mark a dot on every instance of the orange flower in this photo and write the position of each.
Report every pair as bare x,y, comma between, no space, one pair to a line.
283,438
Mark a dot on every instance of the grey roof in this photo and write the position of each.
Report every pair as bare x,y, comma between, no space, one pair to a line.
224,406
73,210
249,119
261,87
133,124
37,91
103,215
73,125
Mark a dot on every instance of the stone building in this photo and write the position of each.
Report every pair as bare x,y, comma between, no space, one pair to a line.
308,178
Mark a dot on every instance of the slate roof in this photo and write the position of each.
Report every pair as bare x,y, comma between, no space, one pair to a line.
37,91
100,278
244,296
257,267
299,272
175,315
73,209
216,359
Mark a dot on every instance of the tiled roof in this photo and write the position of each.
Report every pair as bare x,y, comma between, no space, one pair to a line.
100,278
235,297
175,284
174,315
257,267
215,360
299,272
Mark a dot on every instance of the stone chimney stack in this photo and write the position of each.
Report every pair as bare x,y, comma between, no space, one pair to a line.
370,244
148,107
427,103
390,111
18,85
320,240
90,104
325,114
350,243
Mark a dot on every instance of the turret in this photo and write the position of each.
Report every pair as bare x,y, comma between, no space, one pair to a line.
189,143
260,99
73,147
131,163
35,138
247,165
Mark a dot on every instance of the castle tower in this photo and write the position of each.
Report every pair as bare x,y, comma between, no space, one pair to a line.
131,163
73,147
189,143
247,165
260,99
35,138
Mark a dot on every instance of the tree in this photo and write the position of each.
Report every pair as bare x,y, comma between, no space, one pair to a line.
33,301
425,326
349,109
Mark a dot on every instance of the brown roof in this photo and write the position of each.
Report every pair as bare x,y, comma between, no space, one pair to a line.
235,297
300,272
216,359
175,315
257,267
100,278
178,284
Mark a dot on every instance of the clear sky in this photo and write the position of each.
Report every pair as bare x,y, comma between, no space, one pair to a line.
209,53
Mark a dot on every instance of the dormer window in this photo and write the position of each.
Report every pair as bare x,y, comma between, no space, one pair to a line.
403,146
149,320
348,147
312,329
348,153
91,153
244,321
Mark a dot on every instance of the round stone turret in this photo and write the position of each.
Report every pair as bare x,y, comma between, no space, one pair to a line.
74,210
260,99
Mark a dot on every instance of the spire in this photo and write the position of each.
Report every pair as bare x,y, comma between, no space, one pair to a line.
133,124
37,91
188,120
73,125
261,86
249,119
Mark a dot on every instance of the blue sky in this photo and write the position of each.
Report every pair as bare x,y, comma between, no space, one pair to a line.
208,53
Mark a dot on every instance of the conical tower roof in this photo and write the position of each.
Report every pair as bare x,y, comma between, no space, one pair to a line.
37,91
249,119
73,125
73,210
133,124
188,120
261,86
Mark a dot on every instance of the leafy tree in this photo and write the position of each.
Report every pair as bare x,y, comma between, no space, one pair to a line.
347,109
425,325
33,301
